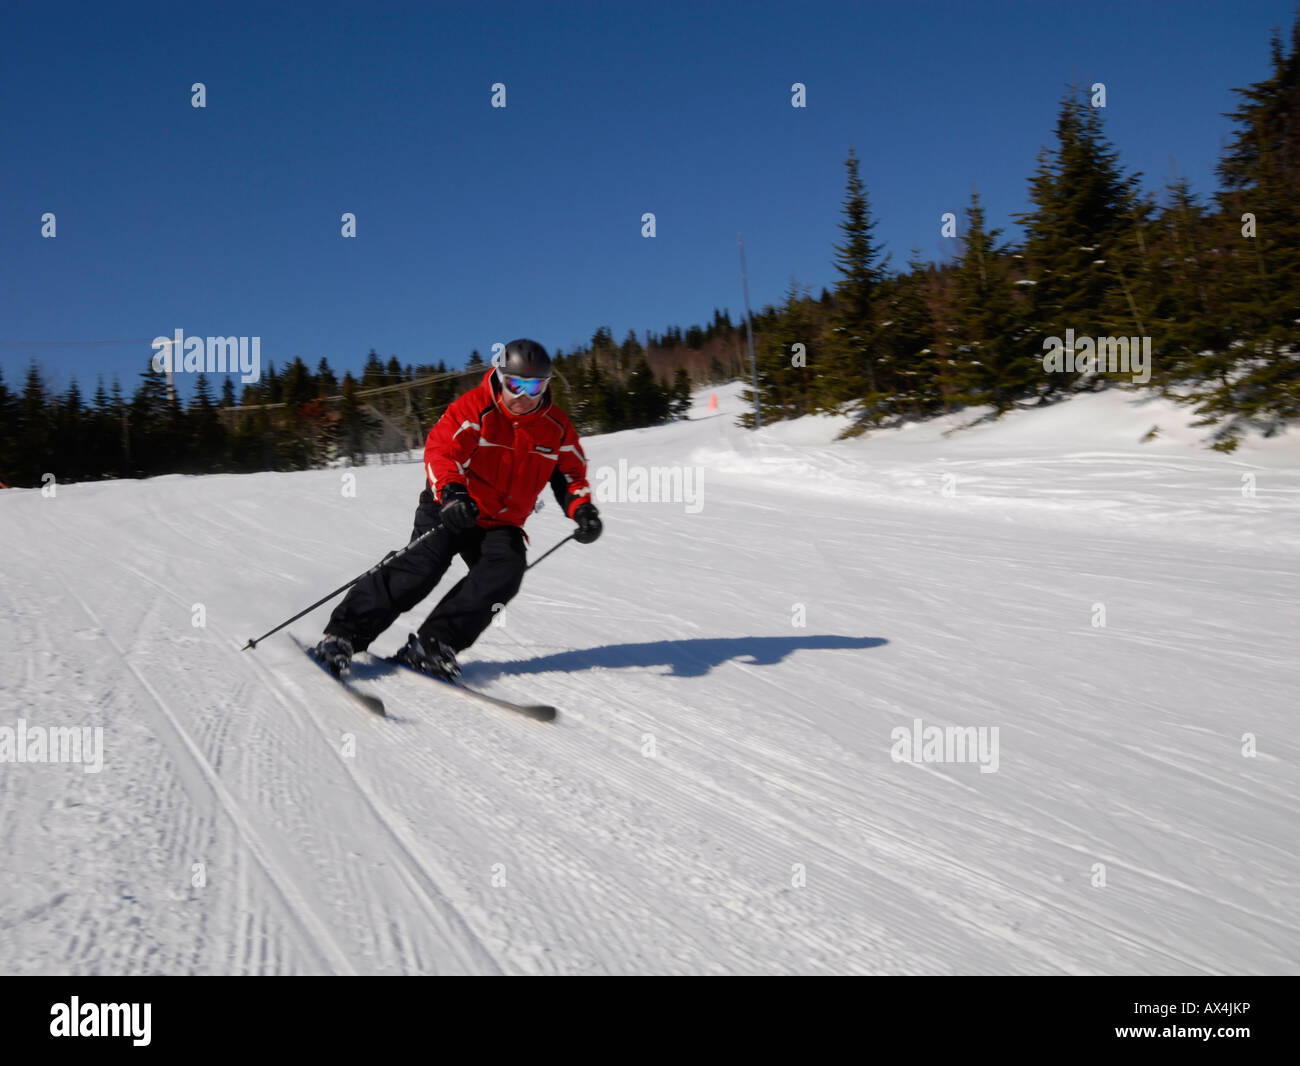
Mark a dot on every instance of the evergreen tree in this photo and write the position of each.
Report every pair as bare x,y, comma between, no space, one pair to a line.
939,289
630,351
70,435
785,374
8,445
207,435
353,423
720,328
271,388
440,394
326,383
150,424
1083,211
1260,172
587,409
850,363
122,425
994,365
1182,297
680,400
646,401
102,435
908,339
298,385
600,417
34,430
372,375
602,346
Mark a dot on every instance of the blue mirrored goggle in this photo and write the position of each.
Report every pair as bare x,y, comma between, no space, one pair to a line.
524,386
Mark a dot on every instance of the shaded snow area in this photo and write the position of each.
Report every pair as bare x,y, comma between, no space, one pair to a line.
1013,698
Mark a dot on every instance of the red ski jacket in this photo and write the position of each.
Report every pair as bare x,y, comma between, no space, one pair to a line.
505,460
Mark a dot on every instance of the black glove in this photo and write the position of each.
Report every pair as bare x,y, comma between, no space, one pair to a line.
459,511
589,527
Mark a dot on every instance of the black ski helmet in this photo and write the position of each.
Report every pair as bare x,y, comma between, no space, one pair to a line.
525,359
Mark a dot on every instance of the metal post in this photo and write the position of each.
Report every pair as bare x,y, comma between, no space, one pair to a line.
749,333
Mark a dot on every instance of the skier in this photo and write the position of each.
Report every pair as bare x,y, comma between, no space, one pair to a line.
486,461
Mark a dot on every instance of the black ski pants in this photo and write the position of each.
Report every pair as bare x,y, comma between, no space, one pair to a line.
496,561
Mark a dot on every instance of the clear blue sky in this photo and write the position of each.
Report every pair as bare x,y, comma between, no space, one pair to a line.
477,224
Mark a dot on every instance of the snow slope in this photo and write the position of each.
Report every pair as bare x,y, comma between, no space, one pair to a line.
718,794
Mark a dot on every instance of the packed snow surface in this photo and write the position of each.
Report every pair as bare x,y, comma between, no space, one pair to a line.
1011,697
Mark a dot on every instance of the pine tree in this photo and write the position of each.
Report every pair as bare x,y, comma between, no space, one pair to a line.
298,385
372,374
1260,171
272,387
850,364
1178,283
630,351
940,286
588,411
785,372
207,442
680,401
441,393
908,339
70,435
993,363
326,383
122,424
352,425
8,419
1083,209
102,435
34,430
646,400
150,420
614,406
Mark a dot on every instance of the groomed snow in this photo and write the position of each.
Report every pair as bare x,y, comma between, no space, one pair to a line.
718,794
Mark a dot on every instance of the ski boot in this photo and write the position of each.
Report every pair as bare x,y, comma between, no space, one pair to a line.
333,653
438,659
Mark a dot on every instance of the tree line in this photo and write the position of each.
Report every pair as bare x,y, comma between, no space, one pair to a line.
297,418
1212,286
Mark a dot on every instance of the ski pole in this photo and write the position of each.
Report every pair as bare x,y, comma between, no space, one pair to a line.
253,643
543,556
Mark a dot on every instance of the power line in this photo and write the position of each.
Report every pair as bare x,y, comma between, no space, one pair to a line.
376,390
76,344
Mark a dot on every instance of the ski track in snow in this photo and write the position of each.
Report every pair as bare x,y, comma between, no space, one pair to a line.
417,882
708,750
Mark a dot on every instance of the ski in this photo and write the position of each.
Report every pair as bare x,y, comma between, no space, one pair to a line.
371,703
541,712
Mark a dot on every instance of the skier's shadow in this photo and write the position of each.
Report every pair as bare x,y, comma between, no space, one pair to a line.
684,658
